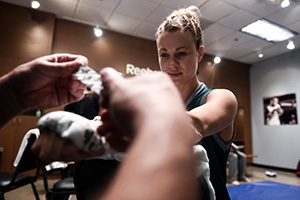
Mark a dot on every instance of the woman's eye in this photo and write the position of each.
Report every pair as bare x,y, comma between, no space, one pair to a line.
181,53
164,55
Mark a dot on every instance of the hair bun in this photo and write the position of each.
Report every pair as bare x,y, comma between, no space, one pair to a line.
195,10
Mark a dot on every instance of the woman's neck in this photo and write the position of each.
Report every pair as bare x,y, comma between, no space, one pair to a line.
187,89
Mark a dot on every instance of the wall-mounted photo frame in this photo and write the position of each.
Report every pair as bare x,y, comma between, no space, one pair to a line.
280,110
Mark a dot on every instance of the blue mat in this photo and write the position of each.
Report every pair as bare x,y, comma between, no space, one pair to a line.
266,190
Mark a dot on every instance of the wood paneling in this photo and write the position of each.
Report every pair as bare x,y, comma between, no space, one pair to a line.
25,34
111,49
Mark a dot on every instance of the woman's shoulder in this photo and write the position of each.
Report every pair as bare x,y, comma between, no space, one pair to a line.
222,95
222,92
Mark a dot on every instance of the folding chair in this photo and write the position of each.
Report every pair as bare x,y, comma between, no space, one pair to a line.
13,180
61,189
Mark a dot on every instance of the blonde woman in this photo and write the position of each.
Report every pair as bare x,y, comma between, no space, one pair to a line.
180,49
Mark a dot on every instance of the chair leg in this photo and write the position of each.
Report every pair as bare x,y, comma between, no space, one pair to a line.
35,191
65,197
48,196
2,196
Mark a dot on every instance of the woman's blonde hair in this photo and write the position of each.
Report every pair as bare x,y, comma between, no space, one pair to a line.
183,19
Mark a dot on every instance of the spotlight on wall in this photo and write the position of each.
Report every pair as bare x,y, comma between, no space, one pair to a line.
290,45
98,32
217,60
35,4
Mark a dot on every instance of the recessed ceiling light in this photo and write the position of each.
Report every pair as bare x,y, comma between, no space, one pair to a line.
290,45
285,3
35,4
217,60
268,31
97,31
260,55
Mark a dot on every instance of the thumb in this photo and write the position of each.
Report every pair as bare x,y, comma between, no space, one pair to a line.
110,78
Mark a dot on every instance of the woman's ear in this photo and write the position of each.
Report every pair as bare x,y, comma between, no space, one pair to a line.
200,52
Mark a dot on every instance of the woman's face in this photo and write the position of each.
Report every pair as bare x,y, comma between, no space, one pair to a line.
178,55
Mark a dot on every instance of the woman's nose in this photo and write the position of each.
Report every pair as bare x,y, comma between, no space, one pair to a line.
173,61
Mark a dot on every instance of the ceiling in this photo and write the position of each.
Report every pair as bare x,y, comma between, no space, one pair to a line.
221,21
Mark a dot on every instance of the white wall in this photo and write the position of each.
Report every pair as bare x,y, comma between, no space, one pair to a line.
276,146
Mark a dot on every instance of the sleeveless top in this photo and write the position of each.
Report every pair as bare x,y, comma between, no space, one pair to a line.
217,149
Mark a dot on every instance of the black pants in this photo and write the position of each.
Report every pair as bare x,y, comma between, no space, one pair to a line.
92,176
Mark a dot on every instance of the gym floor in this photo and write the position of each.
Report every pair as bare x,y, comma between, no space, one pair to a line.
255,174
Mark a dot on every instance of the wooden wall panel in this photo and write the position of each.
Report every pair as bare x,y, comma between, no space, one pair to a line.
25,34
111,49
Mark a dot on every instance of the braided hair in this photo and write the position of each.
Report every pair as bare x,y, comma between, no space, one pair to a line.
183,19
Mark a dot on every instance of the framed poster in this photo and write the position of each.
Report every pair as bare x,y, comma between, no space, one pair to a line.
280,110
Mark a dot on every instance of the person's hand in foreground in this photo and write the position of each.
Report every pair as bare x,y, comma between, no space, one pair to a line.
146,116
45,82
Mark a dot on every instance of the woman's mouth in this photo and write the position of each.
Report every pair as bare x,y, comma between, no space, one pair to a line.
174,74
